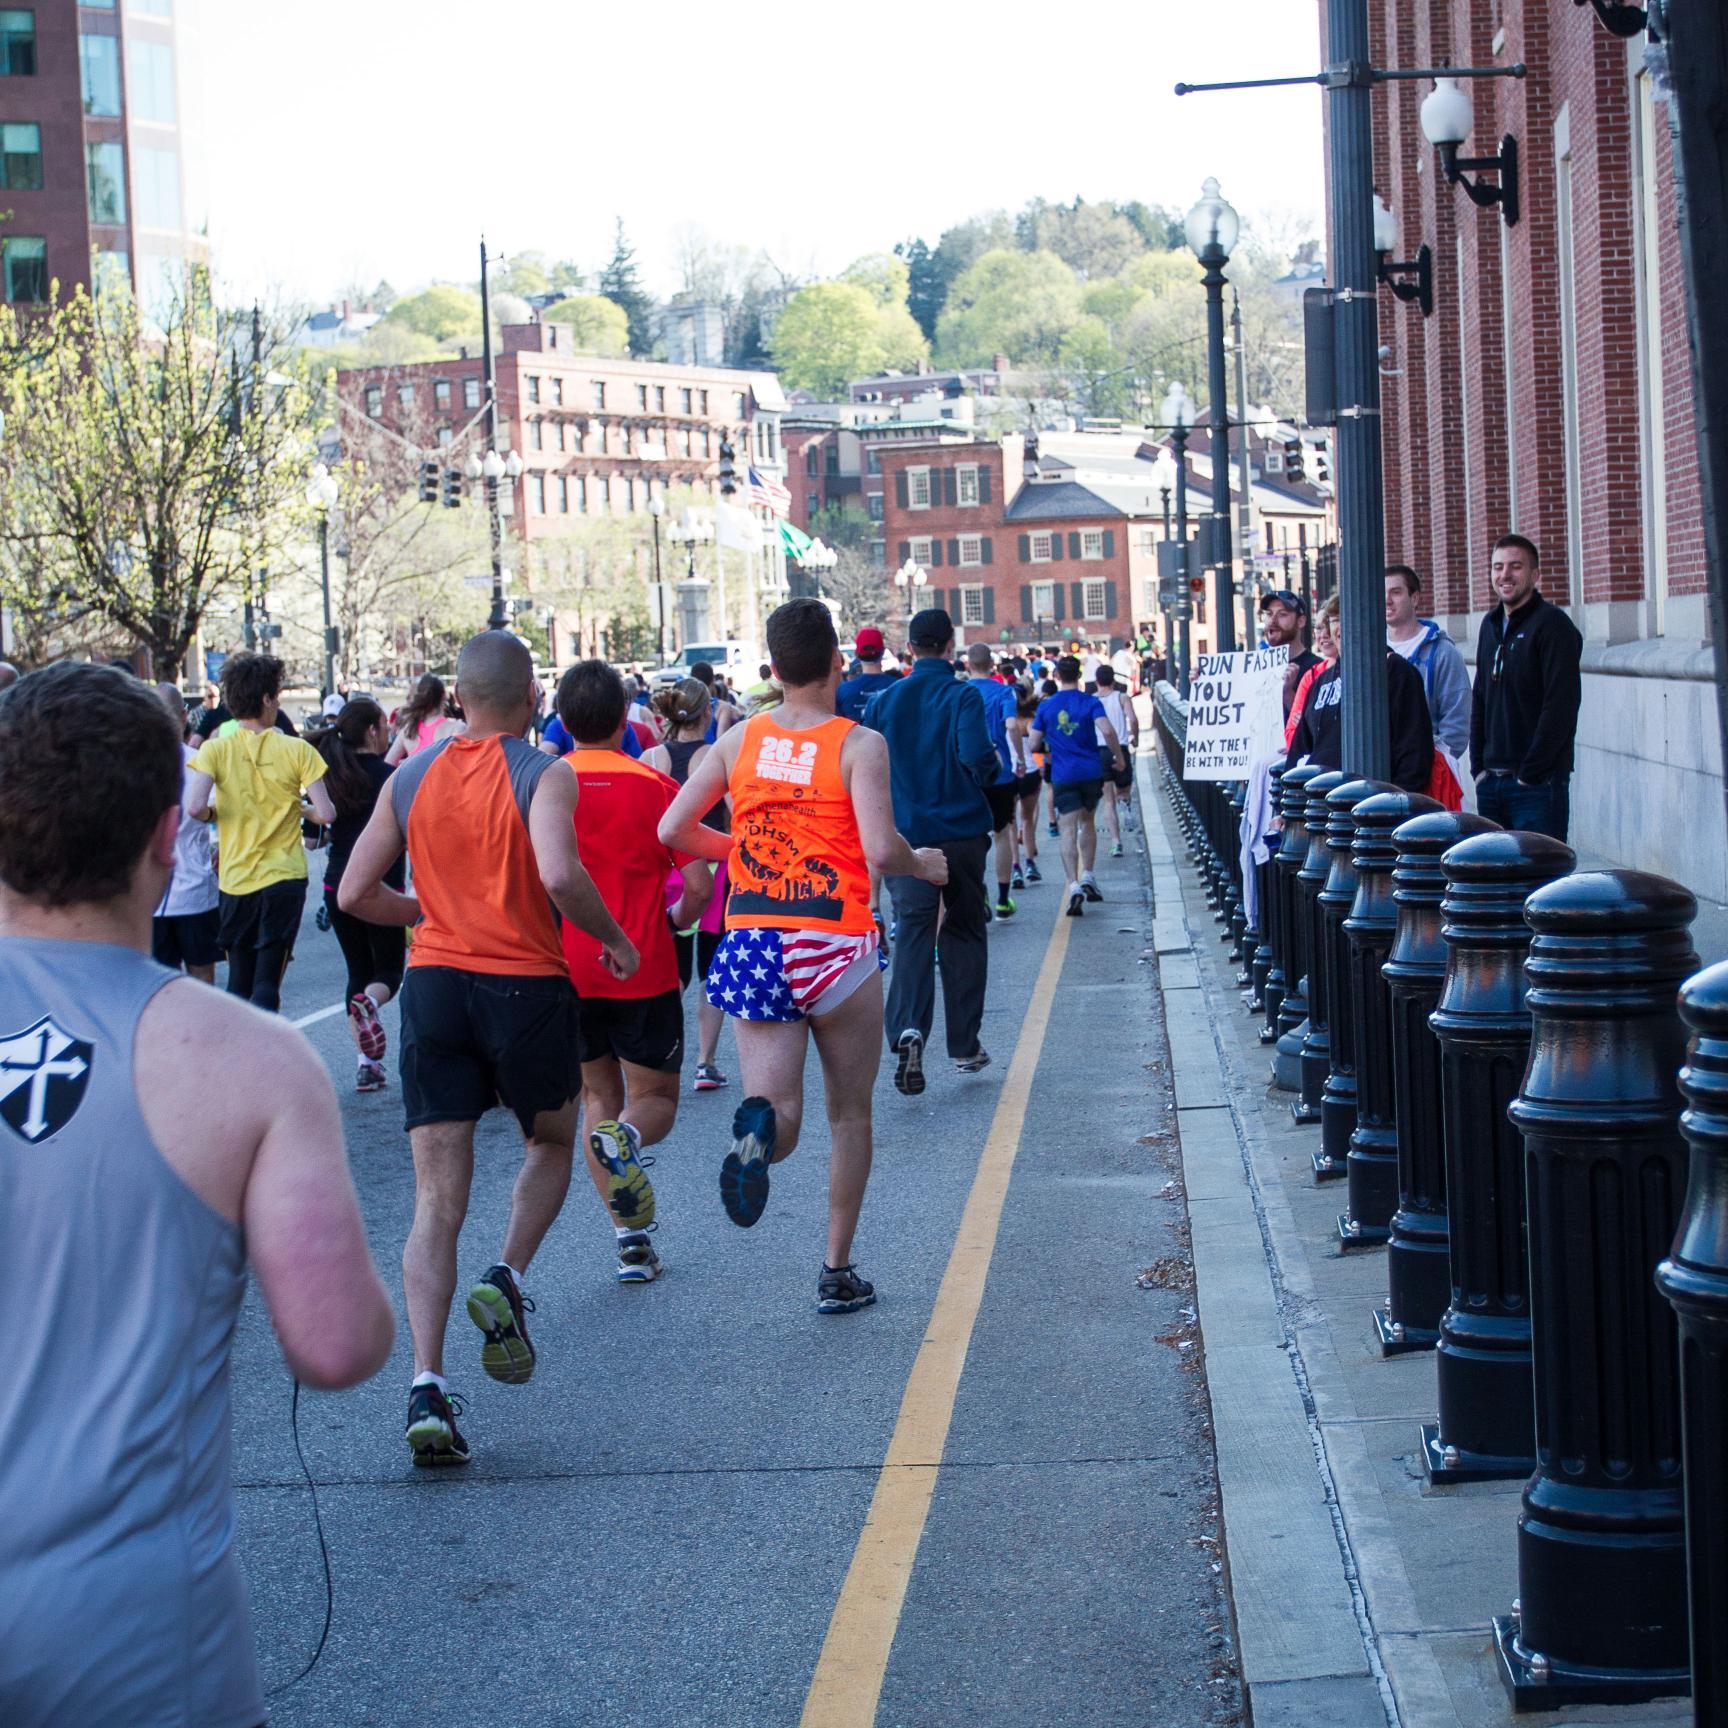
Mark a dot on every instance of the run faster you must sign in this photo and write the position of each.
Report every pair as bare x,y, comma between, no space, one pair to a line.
1235,712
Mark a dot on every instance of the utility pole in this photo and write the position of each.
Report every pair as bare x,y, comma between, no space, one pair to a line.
495,619
1245,482
1366,741
1213,260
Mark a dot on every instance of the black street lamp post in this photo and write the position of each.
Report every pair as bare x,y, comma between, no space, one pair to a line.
1212,229
1178,414
321,495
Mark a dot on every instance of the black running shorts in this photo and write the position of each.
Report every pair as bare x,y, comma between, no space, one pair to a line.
188,939
474,1039
645,1031
1002,798
1029,785
1075,795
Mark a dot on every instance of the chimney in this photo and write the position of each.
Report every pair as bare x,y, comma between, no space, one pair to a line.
344,311
998,362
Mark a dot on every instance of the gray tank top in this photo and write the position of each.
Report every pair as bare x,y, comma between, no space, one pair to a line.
121,1600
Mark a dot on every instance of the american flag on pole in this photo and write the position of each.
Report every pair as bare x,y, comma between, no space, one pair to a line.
770,494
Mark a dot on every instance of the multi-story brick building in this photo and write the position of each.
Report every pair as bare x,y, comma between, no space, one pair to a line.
1550,393
597,437
99,170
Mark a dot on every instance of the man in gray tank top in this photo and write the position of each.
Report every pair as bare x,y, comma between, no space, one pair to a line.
131,1201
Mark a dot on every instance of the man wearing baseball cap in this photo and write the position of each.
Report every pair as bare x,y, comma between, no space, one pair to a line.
1282,619
854,694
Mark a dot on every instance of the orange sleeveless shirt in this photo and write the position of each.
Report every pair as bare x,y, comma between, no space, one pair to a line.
797,859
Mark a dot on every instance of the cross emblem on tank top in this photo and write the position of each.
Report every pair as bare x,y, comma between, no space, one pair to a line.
44,1071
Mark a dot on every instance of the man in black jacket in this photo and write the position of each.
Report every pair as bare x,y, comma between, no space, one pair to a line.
1319,732
1524,706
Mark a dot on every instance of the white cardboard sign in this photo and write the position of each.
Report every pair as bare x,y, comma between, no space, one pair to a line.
1235,712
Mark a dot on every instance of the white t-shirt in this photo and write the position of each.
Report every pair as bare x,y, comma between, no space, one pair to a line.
1127,665
1090,665
1407,649
1116,706
192,887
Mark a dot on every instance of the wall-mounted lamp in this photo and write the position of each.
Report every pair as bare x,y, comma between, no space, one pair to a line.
1413,280
1447,115
1617,19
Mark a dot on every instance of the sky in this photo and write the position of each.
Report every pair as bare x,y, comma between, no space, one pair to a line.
370,139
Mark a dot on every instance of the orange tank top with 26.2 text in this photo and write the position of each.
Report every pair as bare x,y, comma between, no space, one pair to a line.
797,858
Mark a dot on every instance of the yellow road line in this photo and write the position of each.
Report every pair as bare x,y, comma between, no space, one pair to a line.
849,1672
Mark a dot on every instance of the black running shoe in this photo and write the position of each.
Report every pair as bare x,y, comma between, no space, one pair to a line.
909,1074
1076,904
1090,889
744,1171
843,1291
1032,873
496,1306
432,1432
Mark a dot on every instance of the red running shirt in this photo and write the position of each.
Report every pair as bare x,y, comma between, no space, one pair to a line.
618,809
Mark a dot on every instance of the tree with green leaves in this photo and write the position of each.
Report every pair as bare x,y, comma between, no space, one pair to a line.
925,288
149,468
597,325
620,283
1016,303
830,333
444,312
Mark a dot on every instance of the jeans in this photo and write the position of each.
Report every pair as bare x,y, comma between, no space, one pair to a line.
964,947
1544,809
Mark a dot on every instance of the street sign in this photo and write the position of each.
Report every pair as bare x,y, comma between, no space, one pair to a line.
1320,342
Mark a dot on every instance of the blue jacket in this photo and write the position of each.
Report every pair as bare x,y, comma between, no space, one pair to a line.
939,753
853,696
1446,683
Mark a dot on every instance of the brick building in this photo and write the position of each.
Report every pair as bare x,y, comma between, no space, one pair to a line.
99,166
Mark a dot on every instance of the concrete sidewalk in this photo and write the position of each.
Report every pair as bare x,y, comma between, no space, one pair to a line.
1361,1598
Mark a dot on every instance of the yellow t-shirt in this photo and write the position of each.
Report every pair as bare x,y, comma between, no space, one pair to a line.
259,777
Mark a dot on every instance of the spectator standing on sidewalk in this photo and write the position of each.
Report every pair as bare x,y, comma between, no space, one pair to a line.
940,759
1434,654
1282,616
1524,707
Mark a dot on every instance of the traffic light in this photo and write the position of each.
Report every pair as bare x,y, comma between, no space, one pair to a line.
428,482
1294,471
1322,465
452,488
728,467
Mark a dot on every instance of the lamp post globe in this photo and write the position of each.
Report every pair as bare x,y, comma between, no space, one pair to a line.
1212,224
1447,113
492,465
1385,226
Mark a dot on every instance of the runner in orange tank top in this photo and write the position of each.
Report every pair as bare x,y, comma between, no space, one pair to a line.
811,816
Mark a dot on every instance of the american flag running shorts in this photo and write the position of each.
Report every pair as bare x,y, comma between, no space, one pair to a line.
786,974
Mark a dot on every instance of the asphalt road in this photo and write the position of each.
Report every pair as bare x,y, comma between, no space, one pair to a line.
659,1525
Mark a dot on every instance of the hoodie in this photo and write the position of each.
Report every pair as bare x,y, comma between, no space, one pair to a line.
1445,682
1319,732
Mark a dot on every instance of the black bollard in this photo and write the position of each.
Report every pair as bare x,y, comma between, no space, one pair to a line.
1601,1615
1694,1278
1310,879
1367,928
1338,1091
1487,1426
1418,1279
1292,1022
1236,899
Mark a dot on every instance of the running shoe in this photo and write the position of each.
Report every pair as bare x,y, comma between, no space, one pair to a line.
1090,889
1055,831
909,1073
744,1172
1019,881
975,1063
370,1077
1005,908
432,1432
709,1078
637,1261
368,1028
497,1307
1033,873
628,1191
842,1291
1115,848
1076,903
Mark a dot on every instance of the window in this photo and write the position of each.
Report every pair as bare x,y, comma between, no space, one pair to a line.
1095,599
659,398
641,395
603,492
921,550
470,392
703,401
968,473
629,439
558,392
879,554
1091,542
99,68
684,441
533,389
873,462
1040,550
17,43
686,402
506,500
536,435
918,488
810,460
740,408
374,401
24,264
113,273
20,157
971,549
441,393
972,605
156,184
812,503
153,8
599,393
875,505
1043,597
536,494
707,442
105,182
1148,544
150,80
1272,458
561,490
405,396
445,435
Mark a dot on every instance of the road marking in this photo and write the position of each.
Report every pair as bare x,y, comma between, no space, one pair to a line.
848,1680
323,1014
